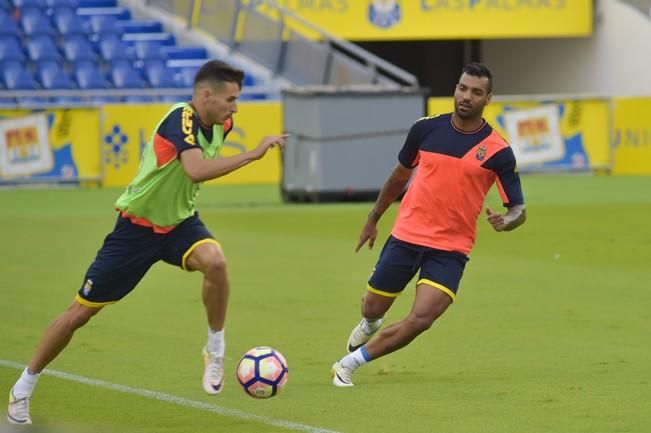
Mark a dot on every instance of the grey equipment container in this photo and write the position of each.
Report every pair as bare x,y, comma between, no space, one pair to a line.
344,141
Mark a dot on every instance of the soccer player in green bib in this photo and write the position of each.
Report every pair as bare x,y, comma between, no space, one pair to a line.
157,221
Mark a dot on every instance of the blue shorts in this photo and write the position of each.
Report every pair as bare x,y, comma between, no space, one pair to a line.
399,261
130,250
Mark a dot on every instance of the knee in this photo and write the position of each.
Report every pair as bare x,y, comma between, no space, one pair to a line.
78,315
216,264
375,306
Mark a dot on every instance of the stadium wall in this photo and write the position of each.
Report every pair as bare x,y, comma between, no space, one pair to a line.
611,63
102,145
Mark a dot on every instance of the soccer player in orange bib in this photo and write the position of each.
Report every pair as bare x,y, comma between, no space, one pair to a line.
459,157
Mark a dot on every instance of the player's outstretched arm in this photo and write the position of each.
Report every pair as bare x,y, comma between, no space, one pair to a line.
514,217
199,169
392,188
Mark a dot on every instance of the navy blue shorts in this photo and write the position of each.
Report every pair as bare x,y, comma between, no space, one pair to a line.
399,261
130,250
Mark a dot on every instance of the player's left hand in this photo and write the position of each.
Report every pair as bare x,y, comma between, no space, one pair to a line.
495,219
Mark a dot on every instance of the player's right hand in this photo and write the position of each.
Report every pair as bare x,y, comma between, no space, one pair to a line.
369,233
268,142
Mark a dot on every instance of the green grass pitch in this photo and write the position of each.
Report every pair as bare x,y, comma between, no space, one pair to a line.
550,331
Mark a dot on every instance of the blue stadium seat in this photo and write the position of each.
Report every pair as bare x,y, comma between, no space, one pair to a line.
98,3
164,38
185,76
41,48
118,12
126,77
185,52
186,63
113,49
136,26
88,76
68,23
160,76
8,27
5,5
23,4
55,4
17,77
35,22
149,50
77,48
52,76
249,80
10,49
104,24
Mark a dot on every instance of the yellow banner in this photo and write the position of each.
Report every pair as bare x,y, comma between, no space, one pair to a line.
127,129
632,135
583,126
73,137
444,19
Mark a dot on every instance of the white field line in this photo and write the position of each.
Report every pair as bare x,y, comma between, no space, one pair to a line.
179,401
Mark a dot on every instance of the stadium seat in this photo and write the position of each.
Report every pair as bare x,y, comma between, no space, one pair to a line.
41,48
104,24
77,48
126,77
68,23
185,76
150,50
118,12
8,27
55,4
17,77
35,22
97,3
23,4
164,38
10,49
52,77
88,76
112,49
160,76
136,26
185,52
186,63
249,80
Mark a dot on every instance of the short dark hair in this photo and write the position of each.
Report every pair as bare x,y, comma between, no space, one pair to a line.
479,70
218,72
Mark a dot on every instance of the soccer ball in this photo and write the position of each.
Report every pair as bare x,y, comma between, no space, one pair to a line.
262,372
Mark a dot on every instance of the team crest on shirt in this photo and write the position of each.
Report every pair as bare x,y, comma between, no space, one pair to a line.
88,286
481,152
384,13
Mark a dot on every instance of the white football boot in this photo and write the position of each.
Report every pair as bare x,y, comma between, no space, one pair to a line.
213,374
18,410
359,335
341,376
